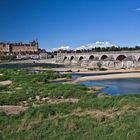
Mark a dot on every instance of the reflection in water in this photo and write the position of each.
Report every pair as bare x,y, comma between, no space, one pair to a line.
28,65
117,86
75,75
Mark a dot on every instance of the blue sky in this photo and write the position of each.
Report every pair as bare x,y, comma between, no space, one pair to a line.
70,22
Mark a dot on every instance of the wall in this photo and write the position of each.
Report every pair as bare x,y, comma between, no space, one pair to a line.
22,48
4,48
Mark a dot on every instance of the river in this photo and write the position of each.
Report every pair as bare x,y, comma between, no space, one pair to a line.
113,86
27,65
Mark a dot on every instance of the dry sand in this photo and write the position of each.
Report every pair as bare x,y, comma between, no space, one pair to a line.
110,76
60,79
80,70
10,109
109,71
60,101
4,83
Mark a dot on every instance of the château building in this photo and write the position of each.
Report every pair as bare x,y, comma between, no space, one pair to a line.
19,48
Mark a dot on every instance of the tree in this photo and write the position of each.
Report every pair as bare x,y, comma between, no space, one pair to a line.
99,65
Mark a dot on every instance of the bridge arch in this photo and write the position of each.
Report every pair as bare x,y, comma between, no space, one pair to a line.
81,58
71,58
121,57
64,58
91,57
103,57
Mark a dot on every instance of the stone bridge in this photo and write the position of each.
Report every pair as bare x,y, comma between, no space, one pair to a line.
118,59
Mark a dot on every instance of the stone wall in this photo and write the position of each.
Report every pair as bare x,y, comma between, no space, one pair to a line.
23,48
4,48
18,47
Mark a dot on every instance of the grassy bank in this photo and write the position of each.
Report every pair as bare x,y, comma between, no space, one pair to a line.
91,117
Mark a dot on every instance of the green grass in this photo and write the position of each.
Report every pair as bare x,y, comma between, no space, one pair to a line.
34,123
49,122
35,84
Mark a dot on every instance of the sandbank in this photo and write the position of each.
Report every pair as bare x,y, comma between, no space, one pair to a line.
107,77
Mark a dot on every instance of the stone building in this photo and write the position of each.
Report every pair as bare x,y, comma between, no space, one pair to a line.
19,48
4,48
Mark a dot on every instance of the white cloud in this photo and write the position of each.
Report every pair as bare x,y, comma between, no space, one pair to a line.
96,44
138,9
62,48
100,44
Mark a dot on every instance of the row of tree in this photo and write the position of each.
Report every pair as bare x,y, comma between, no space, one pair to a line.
7,57
100,49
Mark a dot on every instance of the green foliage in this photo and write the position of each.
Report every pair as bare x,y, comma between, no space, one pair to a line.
3,78
102,49
35,84
94,69
7,57
69,71
66,90
99,65
102,69
40,122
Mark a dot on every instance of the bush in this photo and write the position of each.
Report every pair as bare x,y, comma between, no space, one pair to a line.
102,69
69,71
8,57
99,64
92,69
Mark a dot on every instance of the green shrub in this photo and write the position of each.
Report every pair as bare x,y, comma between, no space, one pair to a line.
102,69
7,57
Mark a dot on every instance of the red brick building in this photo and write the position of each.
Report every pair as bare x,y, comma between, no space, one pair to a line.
18,48
4,48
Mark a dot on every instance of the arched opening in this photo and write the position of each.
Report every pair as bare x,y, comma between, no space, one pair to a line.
52,56
103,57
121,57
72,57
81,58
139,59
91,57
64,58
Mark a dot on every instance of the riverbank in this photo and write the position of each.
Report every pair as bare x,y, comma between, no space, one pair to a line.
107,77
82,70
29,61
39,64
109,71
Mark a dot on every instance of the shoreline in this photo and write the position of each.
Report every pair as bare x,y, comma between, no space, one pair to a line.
107,77
110,71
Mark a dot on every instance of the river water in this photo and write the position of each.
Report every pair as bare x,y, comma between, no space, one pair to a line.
117,86
113,86
26,65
